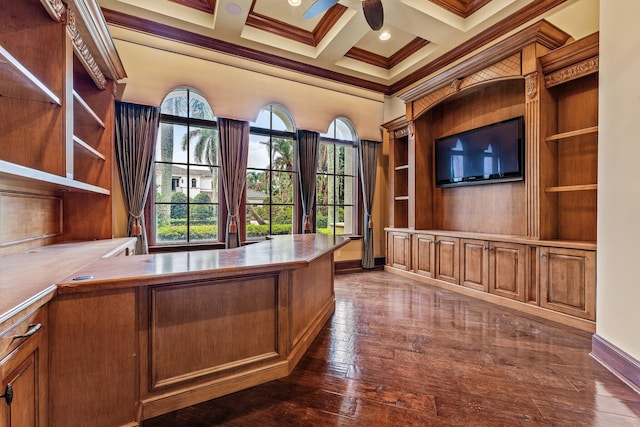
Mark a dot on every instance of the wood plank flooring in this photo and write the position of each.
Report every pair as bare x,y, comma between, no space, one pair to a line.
400,353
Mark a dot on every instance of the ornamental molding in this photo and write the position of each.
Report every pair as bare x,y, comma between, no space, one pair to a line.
401,132
572,72
55,8
531,84
83,53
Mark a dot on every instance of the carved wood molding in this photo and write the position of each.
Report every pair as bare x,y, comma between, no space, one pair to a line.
507,68
575,71
83,53
55,8
531,85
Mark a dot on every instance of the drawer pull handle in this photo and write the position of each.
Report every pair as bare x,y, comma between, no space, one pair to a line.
32,330
8,394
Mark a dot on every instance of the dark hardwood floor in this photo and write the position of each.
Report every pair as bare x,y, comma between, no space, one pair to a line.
400,353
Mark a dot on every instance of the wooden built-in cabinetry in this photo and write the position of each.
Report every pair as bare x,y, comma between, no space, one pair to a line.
529,243
58,73
23,372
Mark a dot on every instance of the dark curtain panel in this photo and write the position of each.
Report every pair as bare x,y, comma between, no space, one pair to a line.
308,147
136,131
233,137
368,164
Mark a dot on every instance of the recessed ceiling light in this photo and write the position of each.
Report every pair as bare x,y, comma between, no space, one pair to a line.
295,3
233,9
385,35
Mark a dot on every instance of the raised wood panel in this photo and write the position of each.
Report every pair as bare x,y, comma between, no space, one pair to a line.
507,270
310,290
474,264
24,366
447,259
567,281
93,359
28,217
218,325
424,254
475,208
399,250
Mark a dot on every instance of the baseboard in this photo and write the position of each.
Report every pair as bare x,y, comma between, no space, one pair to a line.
355,265
617,361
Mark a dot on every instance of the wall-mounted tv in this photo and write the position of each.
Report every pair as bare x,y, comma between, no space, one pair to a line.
489,154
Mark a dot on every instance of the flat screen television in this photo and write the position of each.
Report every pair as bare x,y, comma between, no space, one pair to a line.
489,154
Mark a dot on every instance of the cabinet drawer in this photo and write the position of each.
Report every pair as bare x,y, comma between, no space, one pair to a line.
21,332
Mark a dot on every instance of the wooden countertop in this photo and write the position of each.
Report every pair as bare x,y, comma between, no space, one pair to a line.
291,251
28,280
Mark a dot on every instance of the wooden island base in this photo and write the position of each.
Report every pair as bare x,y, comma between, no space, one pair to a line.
151,334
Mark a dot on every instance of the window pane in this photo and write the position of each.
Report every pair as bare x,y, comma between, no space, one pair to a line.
323,159
203,222
199,107
282,150
340,159
264,119
258,152
340,190
331,190
331,131
321,220
175,103
280,120
281,187
171,224
257,221
169,146
282,219
203,145
257,186
322,189
344,131
346,218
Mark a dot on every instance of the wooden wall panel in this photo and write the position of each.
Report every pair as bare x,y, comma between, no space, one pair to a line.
209,327
311,289
93,359
26,217
494,208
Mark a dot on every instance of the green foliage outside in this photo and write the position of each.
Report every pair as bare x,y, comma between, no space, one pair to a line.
179,232
179,210
254,230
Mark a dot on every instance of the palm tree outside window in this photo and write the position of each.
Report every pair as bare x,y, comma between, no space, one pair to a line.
271,177
186,152
336,179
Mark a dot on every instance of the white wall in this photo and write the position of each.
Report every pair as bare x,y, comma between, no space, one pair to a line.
618,297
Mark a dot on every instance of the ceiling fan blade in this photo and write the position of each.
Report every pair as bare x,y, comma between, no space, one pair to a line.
318,7
373,13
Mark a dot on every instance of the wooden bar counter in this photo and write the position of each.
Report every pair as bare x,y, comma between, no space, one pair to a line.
134,337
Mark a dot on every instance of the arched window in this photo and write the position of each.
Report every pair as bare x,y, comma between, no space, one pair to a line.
186,152
336,185
270,174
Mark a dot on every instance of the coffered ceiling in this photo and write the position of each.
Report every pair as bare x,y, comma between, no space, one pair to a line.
338,44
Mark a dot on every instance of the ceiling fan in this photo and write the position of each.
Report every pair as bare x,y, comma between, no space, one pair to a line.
372,9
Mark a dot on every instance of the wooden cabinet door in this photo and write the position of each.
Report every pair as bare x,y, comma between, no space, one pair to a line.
507,270
447,259
474,264
23,374
424,255
399,250
568,281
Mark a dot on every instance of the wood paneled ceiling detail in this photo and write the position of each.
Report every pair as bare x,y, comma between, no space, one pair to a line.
387,62
283,29
207,6
427,35
462,8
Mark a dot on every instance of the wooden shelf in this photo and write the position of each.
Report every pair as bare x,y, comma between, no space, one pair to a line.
86,109
402,168
573,133
34,178
400,198
565,188
89,149
18,82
